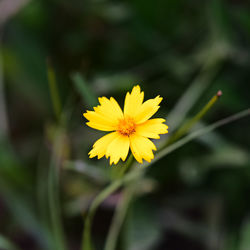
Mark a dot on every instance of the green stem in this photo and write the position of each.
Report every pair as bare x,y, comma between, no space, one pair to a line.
54,93
185,128
53,194
3,108
86,243
197,134
118,219
192,94
7,244
127,165
84,90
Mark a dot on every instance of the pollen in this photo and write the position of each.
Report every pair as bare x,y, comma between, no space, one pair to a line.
126,126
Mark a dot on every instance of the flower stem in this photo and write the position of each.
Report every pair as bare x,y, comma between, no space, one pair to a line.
190,123
127,165
86,238
118,218
54,93
86,244
6,244
169,149
53,194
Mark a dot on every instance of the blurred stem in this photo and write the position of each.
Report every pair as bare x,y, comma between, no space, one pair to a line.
54,93
127,165
185,128
169,149
3,113
118,218
53,193
42,188
86,244
86,238
6,244
84,90
208,72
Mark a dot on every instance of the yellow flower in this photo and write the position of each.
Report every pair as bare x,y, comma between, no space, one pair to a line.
132,127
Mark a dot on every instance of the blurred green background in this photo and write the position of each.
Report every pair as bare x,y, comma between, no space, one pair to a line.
197,198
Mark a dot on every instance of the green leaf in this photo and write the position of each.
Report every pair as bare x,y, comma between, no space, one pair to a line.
7,244
143,229
84,90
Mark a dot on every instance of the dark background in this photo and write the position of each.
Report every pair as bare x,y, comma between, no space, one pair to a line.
195,198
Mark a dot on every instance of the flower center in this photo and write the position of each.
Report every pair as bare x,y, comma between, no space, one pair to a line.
126,126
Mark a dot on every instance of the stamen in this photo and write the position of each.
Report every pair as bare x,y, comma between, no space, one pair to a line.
126,126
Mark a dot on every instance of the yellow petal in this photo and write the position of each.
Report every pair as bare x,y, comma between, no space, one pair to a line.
141,148
109,108
99,122
133,101
118,149
100,146
152,128
147,109
105,116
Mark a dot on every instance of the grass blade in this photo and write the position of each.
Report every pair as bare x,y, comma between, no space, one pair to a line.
193,93
118,219
54,91
197,134
185,128
84,90
6,244
53,193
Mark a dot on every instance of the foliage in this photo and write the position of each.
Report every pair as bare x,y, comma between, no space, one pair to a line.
197,196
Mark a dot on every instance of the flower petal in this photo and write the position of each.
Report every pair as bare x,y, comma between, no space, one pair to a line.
118,148
133,102
99,122
141,148
105,116
100,146
109,108
152,128
147,109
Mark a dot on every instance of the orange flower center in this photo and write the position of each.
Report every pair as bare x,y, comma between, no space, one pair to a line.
126,126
